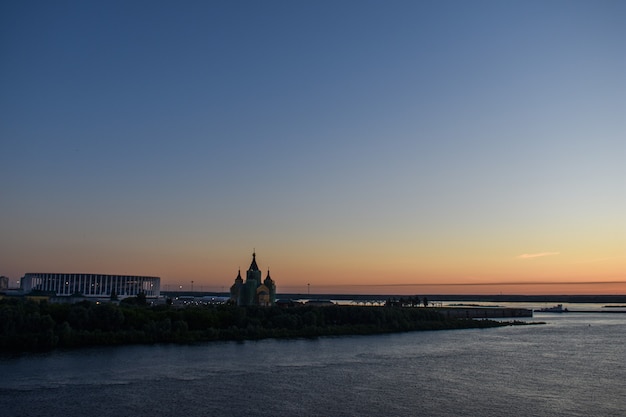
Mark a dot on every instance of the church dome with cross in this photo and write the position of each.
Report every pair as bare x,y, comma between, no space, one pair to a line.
253,291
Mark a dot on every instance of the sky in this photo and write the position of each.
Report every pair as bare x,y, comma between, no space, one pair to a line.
396,147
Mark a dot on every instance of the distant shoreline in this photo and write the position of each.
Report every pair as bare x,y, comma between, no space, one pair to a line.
597,311
595,299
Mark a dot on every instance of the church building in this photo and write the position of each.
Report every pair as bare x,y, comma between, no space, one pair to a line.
253,292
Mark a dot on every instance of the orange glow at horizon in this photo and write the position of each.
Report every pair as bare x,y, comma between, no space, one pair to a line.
374,271
362,269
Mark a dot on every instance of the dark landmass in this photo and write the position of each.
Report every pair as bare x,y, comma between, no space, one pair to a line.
533,298
436,297
484,298
27,325
465,305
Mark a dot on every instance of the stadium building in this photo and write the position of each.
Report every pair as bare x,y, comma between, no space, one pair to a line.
91,285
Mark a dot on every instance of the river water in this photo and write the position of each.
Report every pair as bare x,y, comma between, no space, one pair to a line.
574,365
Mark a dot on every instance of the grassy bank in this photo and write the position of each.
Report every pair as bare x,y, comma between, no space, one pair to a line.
32,326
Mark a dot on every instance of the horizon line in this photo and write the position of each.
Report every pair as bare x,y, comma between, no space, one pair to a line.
470,284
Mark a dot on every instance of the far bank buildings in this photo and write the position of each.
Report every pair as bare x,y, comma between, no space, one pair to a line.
253,291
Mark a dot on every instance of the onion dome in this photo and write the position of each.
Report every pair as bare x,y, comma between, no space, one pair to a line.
253,265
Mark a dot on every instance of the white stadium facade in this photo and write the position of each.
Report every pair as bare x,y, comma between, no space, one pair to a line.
91,285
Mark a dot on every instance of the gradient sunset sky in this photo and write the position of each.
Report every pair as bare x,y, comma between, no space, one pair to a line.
383,147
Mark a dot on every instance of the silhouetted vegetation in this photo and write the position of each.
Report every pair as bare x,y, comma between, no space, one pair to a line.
29,326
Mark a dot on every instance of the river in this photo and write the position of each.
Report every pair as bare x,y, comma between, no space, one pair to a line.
574,365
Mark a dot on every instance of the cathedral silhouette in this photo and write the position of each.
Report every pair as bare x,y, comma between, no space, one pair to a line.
253,292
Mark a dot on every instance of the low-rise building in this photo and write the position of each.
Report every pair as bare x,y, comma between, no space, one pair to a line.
90,285
4,283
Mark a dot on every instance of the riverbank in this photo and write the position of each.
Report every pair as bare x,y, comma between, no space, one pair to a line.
433,298
31,326
477,312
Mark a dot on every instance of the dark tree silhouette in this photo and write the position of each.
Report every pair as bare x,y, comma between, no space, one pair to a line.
141,298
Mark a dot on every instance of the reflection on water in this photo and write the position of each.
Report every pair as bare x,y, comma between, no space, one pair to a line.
572,366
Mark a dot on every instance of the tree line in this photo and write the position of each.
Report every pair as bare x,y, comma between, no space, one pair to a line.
27,325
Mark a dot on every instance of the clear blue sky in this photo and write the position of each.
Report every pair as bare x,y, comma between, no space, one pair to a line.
349,142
